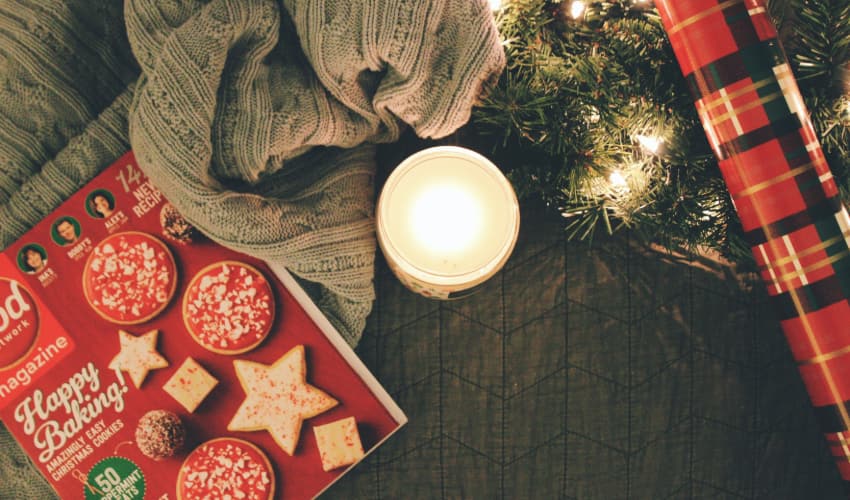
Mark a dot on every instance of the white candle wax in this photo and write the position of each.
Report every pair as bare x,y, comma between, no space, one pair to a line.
447,220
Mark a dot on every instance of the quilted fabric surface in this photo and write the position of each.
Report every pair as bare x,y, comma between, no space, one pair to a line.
609,371
603,372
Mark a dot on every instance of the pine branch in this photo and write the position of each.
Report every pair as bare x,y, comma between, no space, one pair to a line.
823,33
579,95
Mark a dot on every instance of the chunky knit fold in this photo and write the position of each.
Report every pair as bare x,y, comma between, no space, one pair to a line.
66,83
257,119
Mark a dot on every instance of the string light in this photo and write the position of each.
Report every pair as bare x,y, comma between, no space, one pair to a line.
593,115
709,215
618,181
710,211
650,144
577,9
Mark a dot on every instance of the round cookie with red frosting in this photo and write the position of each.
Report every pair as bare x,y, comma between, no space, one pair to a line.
226,468
229,307
129,277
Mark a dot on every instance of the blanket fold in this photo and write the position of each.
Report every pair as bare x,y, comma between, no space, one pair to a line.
256,118
225,103
66,83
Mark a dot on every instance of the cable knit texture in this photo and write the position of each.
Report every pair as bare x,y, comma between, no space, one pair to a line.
256,118
66,84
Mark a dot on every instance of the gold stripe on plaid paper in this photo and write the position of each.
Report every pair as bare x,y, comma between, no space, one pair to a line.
843,220
823,358
801,272
822,246
838,438
789,88
710,132
702,15
795,259
840,441
794,172
756,11
734,111
776,283
710,104
730,112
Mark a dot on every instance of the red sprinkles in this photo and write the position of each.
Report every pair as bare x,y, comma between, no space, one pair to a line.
129,277
229,307
226,468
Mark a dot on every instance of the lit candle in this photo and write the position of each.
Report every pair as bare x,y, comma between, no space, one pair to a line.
447,220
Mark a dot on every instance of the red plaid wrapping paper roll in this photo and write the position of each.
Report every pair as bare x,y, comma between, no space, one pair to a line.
781,185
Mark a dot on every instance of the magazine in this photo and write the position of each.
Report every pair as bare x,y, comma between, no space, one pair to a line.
139,359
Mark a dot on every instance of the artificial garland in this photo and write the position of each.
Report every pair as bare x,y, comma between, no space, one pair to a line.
593,116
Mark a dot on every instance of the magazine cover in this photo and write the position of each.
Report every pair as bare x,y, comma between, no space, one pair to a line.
139,359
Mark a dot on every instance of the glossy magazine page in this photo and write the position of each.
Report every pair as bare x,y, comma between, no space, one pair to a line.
139,359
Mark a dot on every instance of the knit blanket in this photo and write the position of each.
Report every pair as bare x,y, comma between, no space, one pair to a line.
257,119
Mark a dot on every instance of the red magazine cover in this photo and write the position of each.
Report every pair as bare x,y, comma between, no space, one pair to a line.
139,359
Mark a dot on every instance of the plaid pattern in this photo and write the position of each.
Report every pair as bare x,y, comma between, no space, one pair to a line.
785,195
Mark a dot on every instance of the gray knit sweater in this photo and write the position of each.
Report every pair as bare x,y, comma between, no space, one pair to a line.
256,118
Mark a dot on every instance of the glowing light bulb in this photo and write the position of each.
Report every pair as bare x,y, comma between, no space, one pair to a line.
593,116
649,143
495,5
577,9
446,218
618,181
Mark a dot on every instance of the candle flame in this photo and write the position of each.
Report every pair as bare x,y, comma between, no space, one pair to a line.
445,218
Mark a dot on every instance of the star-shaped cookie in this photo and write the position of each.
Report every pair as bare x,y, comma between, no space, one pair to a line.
138,355
278,398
